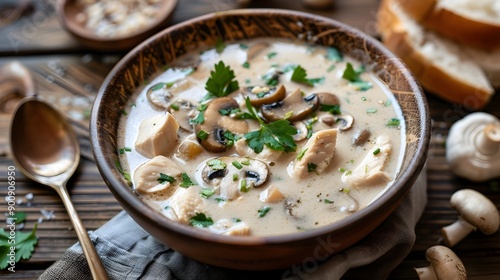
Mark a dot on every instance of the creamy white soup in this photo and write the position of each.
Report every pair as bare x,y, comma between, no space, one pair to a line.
262,137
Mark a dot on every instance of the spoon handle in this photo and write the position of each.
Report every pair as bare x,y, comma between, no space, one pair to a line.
96,267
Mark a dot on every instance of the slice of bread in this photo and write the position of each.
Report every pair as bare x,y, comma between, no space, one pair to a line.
472,22
440,65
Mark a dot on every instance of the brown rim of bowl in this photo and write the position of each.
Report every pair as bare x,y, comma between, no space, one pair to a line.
79,30
391,196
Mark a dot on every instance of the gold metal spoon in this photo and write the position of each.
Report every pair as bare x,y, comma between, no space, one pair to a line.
45,149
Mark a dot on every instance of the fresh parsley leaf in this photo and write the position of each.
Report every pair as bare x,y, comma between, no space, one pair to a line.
221,82
311,167
271,55
158,86
216,164
309,124
125,174
263,211
246,65
276,135
333,54
394,122
24,242
220,199
165,178
230,138
124,149
243,46
332,109
299,75
271,79
206,192
200,220
236,220
377,151
186,181
202,134
19,217
353,76
328,201
219,45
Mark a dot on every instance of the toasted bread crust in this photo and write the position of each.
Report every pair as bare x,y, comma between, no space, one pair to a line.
480,34
435,79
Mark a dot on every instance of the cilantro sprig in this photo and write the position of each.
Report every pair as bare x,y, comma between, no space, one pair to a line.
221,81
24,243
186,181
276,135
299,75
200,220
165,178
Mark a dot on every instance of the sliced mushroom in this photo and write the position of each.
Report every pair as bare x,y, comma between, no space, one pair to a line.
233,175
327,120
260,95
301,131
183,110
159,95
216,125
256,49
294,107
344,121
360,137
328,98
147,177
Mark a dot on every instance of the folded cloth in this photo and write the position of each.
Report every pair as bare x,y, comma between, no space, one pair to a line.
129,252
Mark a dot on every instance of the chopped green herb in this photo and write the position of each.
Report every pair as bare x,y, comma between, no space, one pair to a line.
124,149
243,186
328,201
246,65
348,172
311,167
302,153
275,135
18,216
262,94
166,207
200,220
236,220
371,111
333,54
227,112
353,76
366,168
217,164
123,112
345,190
243,46
342,169
206,192
288,115
237,164
387,103
331,68
271,55
289,67
158,86
125,174
271,79
186,181
165,178
332,109
235,177
219,45
309,124
394,122
220,199
174,107
377,151
299,75
245,162
221,82
24,244
230,138
200,118
363,98
202,134
248,81
263,211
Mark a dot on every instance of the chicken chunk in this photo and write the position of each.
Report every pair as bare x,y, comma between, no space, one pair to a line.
317,153
148,176
369,172
226,227
185,203
271,195
157,136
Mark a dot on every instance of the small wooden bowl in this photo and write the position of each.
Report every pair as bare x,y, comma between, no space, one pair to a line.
68,10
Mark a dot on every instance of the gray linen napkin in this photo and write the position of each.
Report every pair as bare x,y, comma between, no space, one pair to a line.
129,252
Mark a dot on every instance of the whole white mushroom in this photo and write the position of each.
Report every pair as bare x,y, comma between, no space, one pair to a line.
444,264
475,211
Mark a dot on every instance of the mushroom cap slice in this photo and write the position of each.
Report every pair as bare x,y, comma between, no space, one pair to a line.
257,48
159,96
227,174
216,125
294,107
476,209
147,175
328,98
444,265
264,95
183,112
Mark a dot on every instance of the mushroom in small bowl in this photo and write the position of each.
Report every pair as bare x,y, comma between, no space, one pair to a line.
244,154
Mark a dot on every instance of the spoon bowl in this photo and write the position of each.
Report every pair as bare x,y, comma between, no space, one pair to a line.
46,149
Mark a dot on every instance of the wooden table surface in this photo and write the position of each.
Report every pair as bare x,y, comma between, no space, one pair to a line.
69,76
